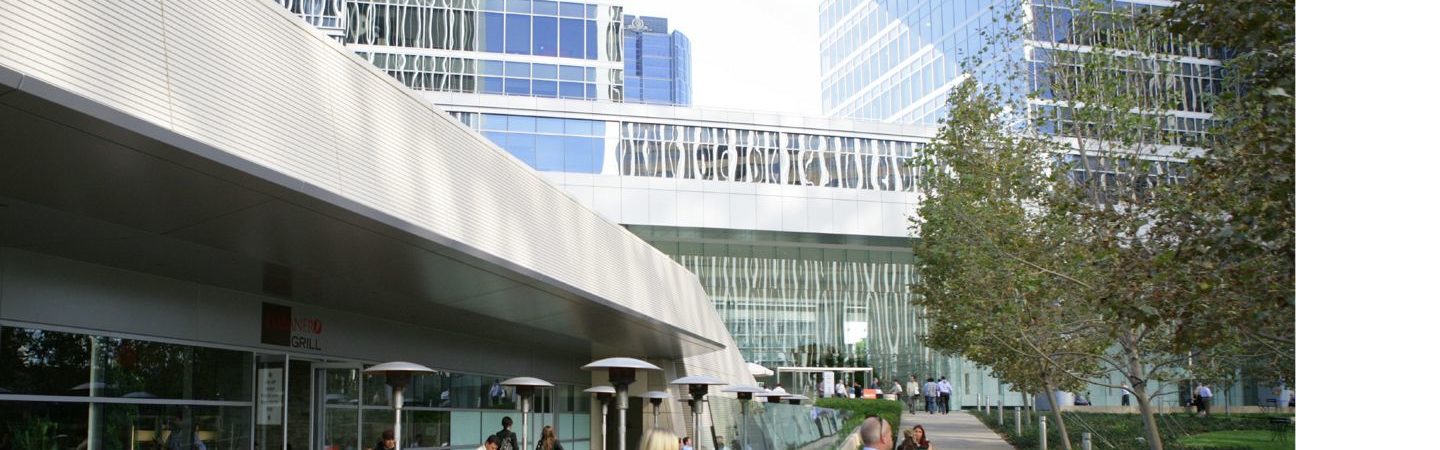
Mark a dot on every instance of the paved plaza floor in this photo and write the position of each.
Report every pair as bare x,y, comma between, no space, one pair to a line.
954,431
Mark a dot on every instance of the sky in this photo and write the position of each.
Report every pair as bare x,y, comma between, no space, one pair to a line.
755,55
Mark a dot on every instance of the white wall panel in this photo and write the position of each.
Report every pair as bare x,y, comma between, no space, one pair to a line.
689,209
870,219
608,203
820,214
794,218
717,208
769,212
742,212
662,207
246,78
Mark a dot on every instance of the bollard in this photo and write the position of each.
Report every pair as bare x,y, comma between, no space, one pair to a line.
1084,441
1019,426
1000,414
1043,437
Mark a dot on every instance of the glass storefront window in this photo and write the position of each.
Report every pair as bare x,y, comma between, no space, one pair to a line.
37,362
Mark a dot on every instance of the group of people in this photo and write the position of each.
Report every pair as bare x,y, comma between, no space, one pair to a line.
854,390
936,393
501,440
875,435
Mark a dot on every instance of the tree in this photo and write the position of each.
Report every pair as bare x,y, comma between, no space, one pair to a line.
1235,223
1050,185
995,306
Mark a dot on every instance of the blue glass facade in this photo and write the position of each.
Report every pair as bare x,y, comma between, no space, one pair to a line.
657,62
546,143
509,47
896,60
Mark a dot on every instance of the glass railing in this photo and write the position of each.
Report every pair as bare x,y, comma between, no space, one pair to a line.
768,426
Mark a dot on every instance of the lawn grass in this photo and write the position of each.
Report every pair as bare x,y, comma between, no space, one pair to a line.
1126,431
1254,439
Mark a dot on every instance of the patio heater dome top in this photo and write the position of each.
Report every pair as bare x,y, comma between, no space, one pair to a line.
745,389
796,397
698,379
655,395
605,389
619,363
399,366
526,382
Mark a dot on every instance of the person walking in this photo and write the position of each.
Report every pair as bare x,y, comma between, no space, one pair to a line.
944,395
1125,395
548,440
508,439
1204,395
912,393
932,392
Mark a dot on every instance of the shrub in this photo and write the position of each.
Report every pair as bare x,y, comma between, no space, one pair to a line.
859,408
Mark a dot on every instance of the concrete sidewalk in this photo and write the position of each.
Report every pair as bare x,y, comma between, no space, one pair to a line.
954,431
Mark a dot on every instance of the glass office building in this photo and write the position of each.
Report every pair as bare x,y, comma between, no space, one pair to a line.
896,60
657,62
796,226
535,48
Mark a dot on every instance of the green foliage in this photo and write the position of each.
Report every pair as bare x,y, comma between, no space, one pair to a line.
1234,225
1057,239
1240,439
860,408
36,433
1126,431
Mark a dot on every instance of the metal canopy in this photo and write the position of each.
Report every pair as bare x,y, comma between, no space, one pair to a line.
84,181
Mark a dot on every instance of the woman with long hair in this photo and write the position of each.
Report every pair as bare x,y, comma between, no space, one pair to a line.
659,440
921,442
547,440
909,442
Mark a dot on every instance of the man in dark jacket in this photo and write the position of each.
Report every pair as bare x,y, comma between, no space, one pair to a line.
508,440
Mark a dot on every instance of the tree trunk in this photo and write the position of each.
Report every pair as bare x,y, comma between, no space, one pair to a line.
1135,373
1059,418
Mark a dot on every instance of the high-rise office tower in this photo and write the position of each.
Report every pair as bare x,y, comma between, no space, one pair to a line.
896,60
657,62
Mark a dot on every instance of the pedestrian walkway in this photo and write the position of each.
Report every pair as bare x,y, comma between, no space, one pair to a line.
957,430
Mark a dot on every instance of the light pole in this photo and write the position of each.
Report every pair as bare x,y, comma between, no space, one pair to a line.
622,373
397,376
525,386
744,393
655,397
604,394
698,386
